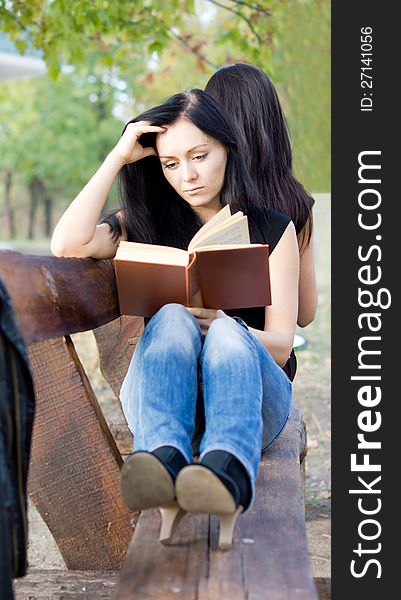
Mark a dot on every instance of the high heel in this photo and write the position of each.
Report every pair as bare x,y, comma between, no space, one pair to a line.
199,490
147,481
223,491
227,524
171,516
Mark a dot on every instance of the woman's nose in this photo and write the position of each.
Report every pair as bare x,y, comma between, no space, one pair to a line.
189,172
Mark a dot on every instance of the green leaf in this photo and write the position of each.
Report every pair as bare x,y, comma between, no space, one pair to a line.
155,47
21,46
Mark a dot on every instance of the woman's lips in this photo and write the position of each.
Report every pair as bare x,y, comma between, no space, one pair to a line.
193,190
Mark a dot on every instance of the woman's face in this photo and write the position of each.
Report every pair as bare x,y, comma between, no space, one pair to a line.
194,164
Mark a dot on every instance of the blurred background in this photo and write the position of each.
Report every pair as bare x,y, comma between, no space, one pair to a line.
73,72
87,66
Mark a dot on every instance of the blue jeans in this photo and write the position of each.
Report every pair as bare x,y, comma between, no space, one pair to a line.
247,396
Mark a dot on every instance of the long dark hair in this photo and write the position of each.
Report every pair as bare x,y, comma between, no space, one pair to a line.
152,210
249,96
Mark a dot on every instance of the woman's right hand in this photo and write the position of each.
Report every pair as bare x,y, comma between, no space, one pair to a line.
129,148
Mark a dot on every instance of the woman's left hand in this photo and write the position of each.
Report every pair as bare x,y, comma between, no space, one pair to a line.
206,316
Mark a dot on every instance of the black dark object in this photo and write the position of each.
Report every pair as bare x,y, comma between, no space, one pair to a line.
17,407
172,459
232,473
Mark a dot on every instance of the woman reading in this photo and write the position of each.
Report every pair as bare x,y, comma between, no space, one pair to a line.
178,164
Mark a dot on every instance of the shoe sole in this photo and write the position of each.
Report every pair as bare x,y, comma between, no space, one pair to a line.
198,489
145,482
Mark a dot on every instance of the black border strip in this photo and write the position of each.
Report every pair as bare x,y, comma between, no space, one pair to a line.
356,131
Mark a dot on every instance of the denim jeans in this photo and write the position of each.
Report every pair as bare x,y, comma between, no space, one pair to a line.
246,395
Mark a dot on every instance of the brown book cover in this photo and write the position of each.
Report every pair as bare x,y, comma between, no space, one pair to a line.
219,277
234,277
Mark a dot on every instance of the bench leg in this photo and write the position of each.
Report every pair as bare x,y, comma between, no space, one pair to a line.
74,478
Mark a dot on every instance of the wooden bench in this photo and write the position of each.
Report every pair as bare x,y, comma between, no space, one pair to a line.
76,458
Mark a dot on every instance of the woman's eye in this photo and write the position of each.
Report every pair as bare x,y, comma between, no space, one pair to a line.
174,165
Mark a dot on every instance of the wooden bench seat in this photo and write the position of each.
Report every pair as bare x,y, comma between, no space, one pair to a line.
75,461
92,585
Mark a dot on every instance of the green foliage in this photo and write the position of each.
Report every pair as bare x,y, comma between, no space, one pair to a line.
123,31
58,133
300,68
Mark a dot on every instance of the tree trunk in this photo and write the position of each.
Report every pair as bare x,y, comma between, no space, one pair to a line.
10,217
36,189
33,204
48,215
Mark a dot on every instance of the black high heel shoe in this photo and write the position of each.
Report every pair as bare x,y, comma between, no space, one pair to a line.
147,481
219,485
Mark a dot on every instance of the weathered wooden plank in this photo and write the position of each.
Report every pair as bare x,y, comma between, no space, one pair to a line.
152,571
74,478
225,576
268,561
53,296
122,435
116,343
323,586
94,585
63,585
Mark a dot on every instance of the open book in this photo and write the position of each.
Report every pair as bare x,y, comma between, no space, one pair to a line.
220,269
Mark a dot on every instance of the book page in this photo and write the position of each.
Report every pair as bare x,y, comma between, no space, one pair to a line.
151,253
203,239
220,217
234,232
217,247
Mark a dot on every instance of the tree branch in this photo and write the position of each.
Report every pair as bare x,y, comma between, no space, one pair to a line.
256,7
193,50
239,14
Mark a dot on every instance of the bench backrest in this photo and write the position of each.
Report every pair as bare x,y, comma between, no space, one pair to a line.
53,297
